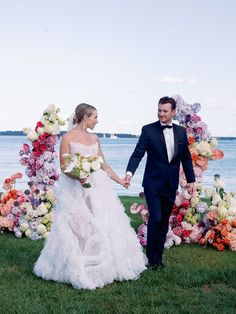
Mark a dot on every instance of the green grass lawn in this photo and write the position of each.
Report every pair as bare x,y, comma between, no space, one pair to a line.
195,280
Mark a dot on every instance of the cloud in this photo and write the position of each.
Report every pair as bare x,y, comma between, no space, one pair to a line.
168,79
221,104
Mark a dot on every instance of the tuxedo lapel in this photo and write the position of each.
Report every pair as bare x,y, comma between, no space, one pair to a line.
162,138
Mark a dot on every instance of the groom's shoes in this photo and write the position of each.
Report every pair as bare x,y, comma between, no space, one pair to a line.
158,266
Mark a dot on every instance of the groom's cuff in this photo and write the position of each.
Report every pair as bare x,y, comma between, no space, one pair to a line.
129,173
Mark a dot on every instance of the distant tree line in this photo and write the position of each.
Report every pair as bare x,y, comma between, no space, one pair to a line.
107,135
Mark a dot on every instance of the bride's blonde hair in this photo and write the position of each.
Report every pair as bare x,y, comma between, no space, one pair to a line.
82,110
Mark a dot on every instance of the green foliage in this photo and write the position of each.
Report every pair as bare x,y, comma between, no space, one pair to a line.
195,280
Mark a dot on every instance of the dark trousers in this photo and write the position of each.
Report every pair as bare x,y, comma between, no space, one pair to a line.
160,207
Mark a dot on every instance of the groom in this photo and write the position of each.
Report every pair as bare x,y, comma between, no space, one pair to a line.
166,145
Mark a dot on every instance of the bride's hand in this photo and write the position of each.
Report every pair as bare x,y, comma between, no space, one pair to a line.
124,183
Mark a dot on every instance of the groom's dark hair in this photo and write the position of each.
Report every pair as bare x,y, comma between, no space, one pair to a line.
166,100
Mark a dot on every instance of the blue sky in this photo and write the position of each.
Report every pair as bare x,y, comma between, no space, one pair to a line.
120,56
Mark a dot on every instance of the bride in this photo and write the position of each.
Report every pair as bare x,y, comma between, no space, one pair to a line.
91,243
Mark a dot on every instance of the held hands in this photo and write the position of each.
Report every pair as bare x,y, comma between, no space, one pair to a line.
125,182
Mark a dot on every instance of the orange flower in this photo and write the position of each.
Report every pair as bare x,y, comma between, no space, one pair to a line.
191,140
202,162
211,234
224,233
220,247
233,223
224,222
194,155
218,227
219,240
226,241
17,175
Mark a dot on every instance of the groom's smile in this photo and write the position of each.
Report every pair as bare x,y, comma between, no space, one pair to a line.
165,113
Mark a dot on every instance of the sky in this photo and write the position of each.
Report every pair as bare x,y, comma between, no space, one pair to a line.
119,56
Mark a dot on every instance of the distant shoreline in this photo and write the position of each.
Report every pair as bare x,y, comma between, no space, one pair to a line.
102,135
105,135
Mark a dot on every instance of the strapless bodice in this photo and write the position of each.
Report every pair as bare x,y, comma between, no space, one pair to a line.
83,149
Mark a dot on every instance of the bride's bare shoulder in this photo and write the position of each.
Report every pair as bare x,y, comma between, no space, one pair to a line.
68,136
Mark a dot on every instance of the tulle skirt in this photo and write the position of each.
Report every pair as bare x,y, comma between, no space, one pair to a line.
91,243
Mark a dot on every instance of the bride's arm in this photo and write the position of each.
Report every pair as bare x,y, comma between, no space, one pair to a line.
109,170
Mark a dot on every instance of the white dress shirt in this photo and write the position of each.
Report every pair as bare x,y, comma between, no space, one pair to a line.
170,144
169,139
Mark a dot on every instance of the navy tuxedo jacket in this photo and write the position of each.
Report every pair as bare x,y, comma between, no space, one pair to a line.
161,175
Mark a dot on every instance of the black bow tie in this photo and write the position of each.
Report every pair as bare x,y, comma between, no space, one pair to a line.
163,127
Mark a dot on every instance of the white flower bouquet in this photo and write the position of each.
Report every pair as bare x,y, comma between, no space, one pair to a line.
82,166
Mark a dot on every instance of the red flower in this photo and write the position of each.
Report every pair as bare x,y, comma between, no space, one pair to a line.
43,136
185,203
42,148
36,144
179,218
175,210
8,180
37,153
39,124
186,233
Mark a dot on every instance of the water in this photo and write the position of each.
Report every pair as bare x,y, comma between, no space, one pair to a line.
117,153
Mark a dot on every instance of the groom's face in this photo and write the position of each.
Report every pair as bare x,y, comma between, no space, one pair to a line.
165,113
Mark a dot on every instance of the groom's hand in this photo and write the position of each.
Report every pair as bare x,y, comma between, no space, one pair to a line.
128,179
191,187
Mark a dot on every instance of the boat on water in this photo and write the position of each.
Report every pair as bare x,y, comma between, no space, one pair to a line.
113,136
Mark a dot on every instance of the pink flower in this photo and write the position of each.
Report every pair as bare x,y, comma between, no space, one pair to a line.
26,148
199,130
178,231
195,118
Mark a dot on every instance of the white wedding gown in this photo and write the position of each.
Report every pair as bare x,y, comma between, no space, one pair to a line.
91,243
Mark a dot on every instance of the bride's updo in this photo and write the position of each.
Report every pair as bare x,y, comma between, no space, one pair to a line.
81,110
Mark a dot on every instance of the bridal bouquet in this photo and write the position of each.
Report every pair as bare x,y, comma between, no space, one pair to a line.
81,166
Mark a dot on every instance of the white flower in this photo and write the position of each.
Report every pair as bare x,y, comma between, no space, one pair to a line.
222,211
214,142
95,165
26,130
100,159
219,184
41,229
24,226
42,209
86,166
45,235
50,108
28,233
83,174
209,192
55,129
32,136
48,129
51,196
27,206
52,117
185,225
40,131
215,198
